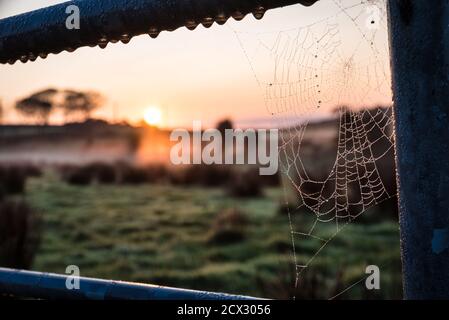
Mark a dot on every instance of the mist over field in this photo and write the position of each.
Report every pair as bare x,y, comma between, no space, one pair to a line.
111,201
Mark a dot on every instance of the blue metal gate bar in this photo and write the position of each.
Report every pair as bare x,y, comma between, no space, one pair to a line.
30,284
25,37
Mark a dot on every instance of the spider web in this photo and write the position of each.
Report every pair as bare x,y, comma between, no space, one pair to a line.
337,67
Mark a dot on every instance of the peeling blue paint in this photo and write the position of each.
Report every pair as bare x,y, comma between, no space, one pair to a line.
440,240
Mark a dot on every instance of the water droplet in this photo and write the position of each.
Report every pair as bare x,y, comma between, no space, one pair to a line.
43,55
125,38
103,43
114,41
259,12
11,61
191,24
153,32
238,16
32,57
207,22
221,19
69,49
23,59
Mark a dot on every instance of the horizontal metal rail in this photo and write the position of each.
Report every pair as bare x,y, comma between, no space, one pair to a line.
30,284
38,33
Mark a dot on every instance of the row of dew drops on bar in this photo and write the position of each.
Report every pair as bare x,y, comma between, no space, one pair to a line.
154,32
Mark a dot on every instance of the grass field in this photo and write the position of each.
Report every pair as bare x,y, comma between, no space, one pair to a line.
161,234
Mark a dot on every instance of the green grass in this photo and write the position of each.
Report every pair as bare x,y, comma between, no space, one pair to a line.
158,234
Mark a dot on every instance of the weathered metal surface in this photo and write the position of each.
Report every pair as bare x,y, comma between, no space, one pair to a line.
419,40
39,285
38,33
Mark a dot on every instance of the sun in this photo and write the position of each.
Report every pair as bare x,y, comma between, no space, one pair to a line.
153,116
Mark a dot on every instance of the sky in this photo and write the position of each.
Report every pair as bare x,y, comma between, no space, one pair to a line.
201,75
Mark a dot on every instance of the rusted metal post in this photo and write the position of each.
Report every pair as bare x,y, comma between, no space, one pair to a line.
419,41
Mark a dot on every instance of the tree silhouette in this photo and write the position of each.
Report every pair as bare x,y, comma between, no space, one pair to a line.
224,124
84,103
38,106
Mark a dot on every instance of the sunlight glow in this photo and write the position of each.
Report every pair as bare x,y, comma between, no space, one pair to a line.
153,116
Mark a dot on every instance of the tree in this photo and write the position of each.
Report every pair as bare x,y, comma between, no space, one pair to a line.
224,124
84,103
38,106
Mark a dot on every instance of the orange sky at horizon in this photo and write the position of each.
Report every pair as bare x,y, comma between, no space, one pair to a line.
200,75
